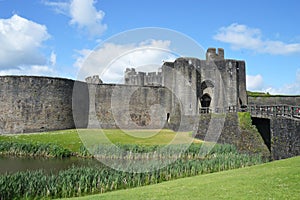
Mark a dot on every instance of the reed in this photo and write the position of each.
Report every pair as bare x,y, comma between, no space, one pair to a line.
79,181
33,149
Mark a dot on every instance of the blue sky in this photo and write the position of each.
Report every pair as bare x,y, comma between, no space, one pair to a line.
53,38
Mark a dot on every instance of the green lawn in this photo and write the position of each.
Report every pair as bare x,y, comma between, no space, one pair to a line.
66,138
275,180
72,139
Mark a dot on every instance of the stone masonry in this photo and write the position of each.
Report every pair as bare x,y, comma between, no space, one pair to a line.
178,94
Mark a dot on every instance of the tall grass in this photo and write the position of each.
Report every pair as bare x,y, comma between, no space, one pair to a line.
90,180
33,149
137,152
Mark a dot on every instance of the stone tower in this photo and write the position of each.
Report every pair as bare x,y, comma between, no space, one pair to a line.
212,85
181,78
215,84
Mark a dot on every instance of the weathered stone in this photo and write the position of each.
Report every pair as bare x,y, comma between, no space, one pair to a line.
285,138
275,100
230,132
221,81
172,98
31,104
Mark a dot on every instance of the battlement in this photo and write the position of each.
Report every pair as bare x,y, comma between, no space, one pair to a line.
212,54
142,78
93,80
172,97
130,71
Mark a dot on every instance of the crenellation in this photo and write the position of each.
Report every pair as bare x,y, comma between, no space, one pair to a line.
177,94
228,76
94,80
132,77
212,54
221,53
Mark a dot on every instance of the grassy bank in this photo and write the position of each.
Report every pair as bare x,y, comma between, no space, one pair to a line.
263,94
275,180
8,148
66,138
71,139
79,181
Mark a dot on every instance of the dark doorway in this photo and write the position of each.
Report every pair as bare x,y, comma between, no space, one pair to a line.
205,101
263,127
240,101
168,117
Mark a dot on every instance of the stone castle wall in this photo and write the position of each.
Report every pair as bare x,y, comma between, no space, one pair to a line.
230,132
36,104
285,138
147,100
223,80
144,100
275,100
33,104
142,78
215,83
121,106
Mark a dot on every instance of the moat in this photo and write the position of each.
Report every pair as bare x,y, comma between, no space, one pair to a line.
16,164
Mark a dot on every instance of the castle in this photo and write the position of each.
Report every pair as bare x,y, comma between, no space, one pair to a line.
185,87
215,83
178,96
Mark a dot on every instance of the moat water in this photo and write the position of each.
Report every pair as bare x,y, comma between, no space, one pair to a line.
15,164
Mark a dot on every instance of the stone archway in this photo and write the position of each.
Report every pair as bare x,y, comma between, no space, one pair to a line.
206,95
205,100
207,84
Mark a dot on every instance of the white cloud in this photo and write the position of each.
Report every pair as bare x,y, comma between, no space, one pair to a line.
53,58
20,41
242,37
254,83
83,14
111,60
34,70
59,7
288,89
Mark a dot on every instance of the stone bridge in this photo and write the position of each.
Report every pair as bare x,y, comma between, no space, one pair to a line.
279,126
271,111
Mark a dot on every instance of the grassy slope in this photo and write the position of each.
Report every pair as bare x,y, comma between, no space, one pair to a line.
262,94
275,180
66,138
71,138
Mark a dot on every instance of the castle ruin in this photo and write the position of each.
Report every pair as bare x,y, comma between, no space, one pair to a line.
185,87
212,85
178,96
